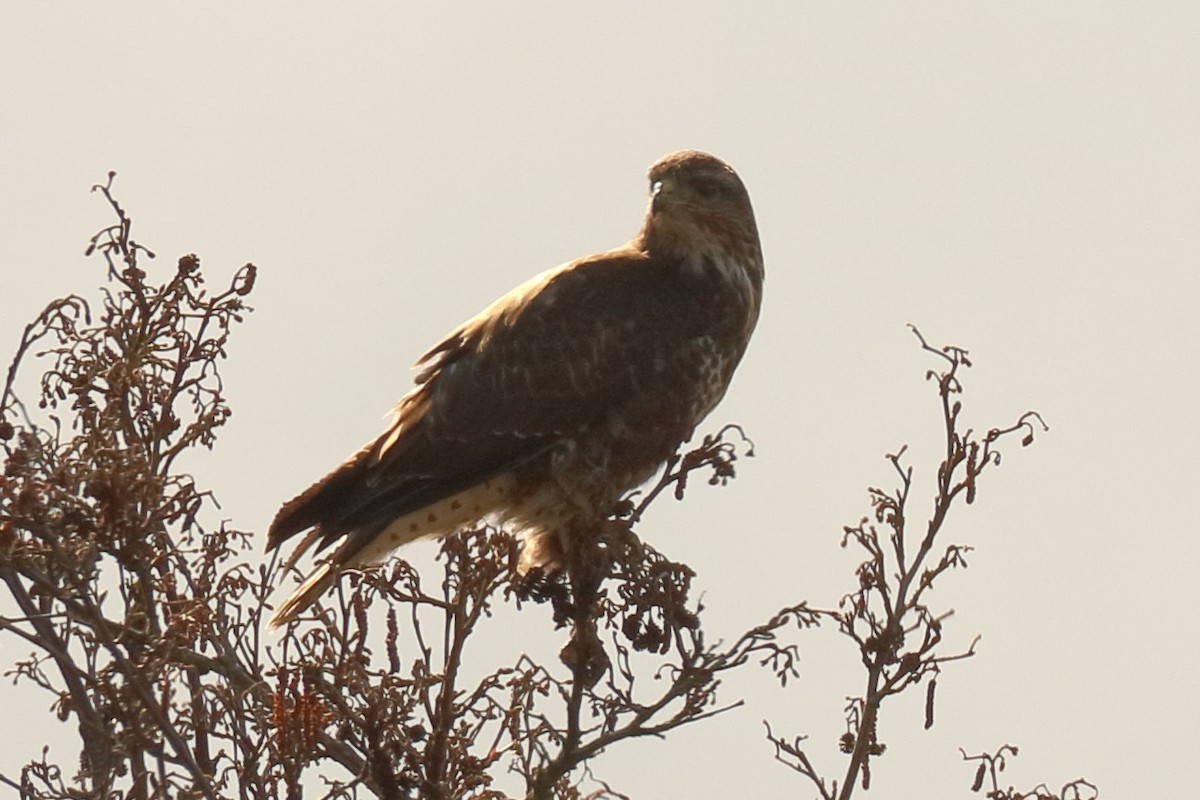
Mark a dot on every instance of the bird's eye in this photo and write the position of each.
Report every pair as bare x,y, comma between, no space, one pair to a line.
704,189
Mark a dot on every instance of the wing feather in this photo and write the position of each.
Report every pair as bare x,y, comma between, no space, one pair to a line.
552,358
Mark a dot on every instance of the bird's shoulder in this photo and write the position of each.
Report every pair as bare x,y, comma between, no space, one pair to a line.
616,283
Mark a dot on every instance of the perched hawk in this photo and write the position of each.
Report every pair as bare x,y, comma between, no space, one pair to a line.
546,408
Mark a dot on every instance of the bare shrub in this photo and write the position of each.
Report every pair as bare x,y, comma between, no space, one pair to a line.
145,625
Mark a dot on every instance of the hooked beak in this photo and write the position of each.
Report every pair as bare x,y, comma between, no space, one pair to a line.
659,192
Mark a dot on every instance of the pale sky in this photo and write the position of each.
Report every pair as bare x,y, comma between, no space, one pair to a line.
1021,179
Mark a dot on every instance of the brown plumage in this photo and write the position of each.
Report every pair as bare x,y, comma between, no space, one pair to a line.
560,397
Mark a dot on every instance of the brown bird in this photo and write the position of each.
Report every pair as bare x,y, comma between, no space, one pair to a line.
545,409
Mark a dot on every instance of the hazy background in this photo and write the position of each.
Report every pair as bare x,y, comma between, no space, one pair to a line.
1021,179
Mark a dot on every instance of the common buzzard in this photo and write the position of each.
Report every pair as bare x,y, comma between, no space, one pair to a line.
543,410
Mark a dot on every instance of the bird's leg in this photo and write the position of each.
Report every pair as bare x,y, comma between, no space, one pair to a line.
587,563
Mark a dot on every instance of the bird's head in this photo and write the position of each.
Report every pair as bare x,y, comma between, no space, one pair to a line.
690,181
699,207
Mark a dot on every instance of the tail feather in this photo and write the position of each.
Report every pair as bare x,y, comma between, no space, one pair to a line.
368,543
305,595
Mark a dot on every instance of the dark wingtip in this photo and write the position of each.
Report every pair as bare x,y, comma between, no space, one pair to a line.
290,520
320,503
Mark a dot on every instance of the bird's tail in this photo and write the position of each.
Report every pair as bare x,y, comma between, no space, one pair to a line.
305,595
